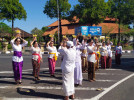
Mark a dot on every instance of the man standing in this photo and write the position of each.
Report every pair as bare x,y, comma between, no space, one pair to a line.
67,66
91,60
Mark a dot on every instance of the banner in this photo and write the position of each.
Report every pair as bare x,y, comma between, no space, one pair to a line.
85,30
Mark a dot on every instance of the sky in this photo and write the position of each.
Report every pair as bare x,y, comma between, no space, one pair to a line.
35,15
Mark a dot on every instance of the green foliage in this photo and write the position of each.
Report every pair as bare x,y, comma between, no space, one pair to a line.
11,10
114,41
56,37
130,47
123,10
50,8
9,46
44,29
90,11
4,28
39,34
28,39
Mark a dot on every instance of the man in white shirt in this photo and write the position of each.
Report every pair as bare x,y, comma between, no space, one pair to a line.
91,60
67,66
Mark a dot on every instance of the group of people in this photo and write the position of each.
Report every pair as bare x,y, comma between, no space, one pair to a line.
77,56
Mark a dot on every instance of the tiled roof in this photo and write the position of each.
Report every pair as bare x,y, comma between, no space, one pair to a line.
106,28
24,33
69,28
66,22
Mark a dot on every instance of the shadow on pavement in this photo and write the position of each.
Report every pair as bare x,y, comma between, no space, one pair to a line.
31,92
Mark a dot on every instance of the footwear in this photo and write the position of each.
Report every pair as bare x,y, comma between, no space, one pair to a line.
94,79
35,79
76,85
66,98
16,82
20,82
90,80
52,75
38,78
71,97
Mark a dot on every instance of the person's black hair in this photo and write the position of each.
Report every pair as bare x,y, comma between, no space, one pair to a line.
17,39
34,42
89,40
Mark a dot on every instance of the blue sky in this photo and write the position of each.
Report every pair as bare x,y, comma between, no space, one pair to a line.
35,15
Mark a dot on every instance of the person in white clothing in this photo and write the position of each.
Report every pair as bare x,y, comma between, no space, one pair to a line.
91,60
36,58
103,52
109,58
17,59
52,57
67,66
84,55
78,70
118,54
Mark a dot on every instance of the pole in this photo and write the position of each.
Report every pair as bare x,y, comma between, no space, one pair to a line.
58,21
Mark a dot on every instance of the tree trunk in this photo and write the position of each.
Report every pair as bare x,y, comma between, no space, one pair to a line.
119,32
12,26
60,30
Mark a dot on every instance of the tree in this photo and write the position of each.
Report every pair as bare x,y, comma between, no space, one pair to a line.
90,11
44,29
123,11
11,10
37,32
4,28
51,10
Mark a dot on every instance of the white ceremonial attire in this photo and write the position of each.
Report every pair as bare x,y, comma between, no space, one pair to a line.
17,48
67,66
36,51
118,53
17,59
84,49
118,49
75,41
103,50
78,69
91,57
109,51
52,50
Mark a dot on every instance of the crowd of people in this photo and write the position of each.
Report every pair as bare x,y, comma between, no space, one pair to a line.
81,55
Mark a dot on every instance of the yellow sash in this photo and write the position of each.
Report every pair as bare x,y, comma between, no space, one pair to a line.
55,57
98,53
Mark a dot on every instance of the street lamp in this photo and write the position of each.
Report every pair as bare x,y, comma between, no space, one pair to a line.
58,20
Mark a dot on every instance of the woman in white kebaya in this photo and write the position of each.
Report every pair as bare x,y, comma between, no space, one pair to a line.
103,51
118,54
36,58
17,59
52,57
109,58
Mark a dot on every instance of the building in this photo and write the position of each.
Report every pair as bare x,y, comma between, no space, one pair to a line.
108,26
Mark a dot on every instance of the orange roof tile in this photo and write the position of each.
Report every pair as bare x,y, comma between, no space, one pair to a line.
66,22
